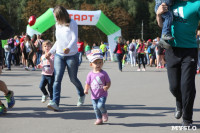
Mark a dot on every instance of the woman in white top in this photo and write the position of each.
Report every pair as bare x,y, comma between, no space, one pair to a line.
66,54
29,52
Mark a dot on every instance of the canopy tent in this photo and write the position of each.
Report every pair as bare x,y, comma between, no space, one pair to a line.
97,18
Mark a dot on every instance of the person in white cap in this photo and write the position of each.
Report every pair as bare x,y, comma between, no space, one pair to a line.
98,82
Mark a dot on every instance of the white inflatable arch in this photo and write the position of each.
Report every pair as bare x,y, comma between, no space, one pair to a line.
97,18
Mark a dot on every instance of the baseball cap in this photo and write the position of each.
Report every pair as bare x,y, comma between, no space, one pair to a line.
149,40
94,54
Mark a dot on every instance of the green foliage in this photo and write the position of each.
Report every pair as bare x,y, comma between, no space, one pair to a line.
127,14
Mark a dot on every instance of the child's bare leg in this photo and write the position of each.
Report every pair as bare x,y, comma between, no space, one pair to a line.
1,102
3,87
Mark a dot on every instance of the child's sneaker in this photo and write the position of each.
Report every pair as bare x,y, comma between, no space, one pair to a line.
167,37
98,122
44,98
10,99
105,117
53,106
143,69
164,44
2,109
81,101
26,68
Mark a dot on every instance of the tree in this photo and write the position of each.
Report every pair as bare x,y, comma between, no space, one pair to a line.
127,14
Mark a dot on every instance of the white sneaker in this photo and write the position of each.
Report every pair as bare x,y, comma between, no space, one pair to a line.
53,106
50,101
143,69
138,70
81,101
44,98
26,68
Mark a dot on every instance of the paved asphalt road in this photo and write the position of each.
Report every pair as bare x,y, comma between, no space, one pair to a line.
138,102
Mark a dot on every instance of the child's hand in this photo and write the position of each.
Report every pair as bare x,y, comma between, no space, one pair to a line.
47,56
87,87
85,91
105,88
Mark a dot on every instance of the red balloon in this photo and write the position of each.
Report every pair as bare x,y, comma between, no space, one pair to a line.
32,20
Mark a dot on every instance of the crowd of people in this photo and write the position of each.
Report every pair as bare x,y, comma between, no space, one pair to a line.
181,62
23,50
140,52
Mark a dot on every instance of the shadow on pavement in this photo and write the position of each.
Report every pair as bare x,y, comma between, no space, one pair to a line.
86,113
28,98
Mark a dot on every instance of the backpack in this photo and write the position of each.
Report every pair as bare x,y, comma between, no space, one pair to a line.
132,47
149,49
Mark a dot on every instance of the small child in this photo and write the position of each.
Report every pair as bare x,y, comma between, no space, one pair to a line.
47,66
167,17
98,82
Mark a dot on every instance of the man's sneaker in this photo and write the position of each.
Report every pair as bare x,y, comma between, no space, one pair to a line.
10,99
53,106
2,109
98,122
81,101
178,113
44,98
164,44
8,69
33,69
187,124
167,37
105,117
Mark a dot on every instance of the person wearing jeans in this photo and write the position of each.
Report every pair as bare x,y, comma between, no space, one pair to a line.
7,56
99,107
60,63
66,50
47,66
80,45
119,52
38,45
98,82
119,58
46,80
